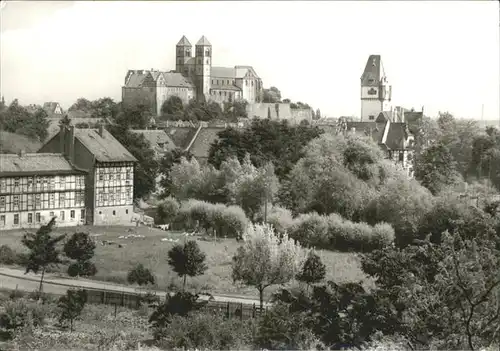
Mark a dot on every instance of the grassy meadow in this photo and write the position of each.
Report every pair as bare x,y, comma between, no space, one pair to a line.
113,261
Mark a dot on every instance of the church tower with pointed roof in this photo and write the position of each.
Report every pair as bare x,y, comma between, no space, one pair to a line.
183,55
375,90
203,67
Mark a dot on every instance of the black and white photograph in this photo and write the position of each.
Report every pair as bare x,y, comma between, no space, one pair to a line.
250,175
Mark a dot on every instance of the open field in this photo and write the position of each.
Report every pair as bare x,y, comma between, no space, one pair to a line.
113,262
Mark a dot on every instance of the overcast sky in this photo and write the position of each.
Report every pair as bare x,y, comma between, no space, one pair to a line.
443,55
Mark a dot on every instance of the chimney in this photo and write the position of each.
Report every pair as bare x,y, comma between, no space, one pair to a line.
62,133
101,130
402,115
71,142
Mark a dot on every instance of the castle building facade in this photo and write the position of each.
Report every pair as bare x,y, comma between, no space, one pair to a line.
194,78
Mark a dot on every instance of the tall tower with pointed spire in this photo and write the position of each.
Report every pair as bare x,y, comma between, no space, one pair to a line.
183,55
375,89
203,67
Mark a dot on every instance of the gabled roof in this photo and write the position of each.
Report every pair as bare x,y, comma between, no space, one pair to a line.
396,136
43,163
373,129
383,116
105,148
374,71
50,107
184,42
201,145
156,136
176,80
135,79
203,42
222,72
241,71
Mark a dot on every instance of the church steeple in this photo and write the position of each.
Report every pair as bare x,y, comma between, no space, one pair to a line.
203,67
183,54
375,89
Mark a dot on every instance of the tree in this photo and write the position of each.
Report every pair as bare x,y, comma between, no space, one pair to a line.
43,249
173,108
271,95
147,166
17,119
265,141
313,270
80,247
71,306
65,121
104,108
140,275
202,111
167,211
187,260
265,259
169,159
81,104
436,168
135,116
235,109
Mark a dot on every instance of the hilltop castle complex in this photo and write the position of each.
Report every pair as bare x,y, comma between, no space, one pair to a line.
194,78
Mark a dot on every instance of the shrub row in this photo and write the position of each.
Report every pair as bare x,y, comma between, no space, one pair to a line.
333,232
10,256
229,221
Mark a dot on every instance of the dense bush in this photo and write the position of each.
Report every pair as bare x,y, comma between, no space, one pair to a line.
167,211
20,312
333,232
8,256
140,275
228,221
279,217
201,330
83,269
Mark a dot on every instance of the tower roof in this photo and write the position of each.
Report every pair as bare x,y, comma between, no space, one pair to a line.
374,71
203,42
184,42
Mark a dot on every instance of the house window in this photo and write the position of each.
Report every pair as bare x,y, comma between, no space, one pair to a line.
16,201
72,214
2,220
30,217
401,156
51,214
2,201
2,185
371,117
100,212
82,214
62,200
101,177
61,214
16,219
30,182
126,211
37,217
16,182
63,182
38,200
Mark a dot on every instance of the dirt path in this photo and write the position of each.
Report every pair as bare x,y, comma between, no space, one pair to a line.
11,278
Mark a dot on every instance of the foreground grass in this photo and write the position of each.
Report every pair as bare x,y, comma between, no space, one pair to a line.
98,328
114,262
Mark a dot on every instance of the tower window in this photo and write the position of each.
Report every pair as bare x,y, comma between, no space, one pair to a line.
207,61
188,52
371,117
207,52
228,82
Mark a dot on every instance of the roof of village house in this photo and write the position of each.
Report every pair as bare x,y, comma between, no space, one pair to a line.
156,136
223,72
176,80
396,136
50,107
203,42
201,145
105,148
13,143
181,136
374,71
43,163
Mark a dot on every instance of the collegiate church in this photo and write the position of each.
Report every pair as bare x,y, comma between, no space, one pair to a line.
194,78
